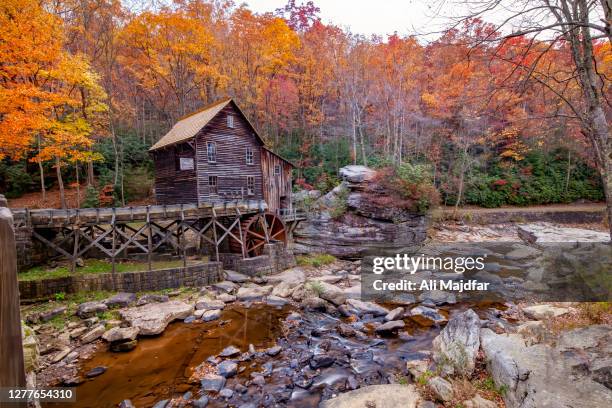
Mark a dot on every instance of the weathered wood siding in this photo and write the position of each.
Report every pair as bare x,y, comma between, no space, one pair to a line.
277,188
174,186
231,167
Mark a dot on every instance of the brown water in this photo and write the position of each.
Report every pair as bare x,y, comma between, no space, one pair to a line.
159,367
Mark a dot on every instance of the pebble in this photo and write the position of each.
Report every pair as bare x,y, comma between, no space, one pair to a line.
272,351
229,351
96,371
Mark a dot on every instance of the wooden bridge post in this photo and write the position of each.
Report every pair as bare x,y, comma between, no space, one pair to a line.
12,369
149,238
114,237
183,238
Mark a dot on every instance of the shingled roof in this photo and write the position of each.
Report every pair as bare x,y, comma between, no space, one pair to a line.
188,126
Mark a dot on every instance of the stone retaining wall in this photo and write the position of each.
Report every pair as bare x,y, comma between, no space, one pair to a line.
195,275
276,258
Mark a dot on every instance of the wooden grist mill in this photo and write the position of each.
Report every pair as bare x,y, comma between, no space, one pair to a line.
216,184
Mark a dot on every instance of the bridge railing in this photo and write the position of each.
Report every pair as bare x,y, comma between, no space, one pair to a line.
291,214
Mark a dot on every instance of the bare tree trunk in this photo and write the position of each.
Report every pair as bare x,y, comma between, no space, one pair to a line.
90,173
78,184
569,170
354,152
60,182
463,169
42,175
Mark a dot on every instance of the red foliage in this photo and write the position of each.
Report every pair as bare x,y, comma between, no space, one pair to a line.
301,182
106,196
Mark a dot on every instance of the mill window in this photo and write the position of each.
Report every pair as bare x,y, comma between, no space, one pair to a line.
230,121
249,155
212,185
277,170
250,185
211,151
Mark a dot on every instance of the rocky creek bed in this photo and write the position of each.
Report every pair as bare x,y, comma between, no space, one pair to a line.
304,338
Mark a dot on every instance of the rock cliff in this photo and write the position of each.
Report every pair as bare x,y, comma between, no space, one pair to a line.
349,224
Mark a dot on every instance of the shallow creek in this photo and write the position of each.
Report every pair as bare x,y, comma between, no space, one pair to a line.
160,367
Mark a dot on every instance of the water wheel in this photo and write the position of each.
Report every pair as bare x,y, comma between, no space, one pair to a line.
258,230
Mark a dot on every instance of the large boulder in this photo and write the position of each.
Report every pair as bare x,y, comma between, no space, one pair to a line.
357,174
381,396
153,318
293,276
456,347
349,224
331,293
253,293
90,309
541,376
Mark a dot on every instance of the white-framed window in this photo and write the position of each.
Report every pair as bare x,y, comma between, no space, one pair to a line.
213,187
277,170
249,155
250,185
230,121
211,152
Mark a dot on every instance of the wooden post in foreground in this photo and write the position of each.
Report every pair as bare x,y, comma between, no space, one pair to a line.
12,371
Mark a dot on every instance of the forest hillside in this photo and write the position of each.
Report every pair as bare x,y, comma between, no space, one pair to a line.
87,86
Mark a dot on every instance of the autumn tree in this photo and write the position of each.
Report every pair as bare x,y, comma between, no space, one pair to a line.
47,94
578,25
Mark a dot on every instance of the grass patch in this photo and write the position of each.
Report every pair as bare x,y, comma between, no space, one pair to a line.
93,266
585,314
315,260
316,287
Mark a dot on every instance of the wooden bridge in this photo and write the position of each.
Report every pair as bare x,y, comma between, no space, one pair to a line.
240,226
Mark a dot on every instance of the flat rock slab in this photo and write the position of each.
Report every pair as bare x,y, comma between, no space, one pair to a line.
152,298
210,315
153,318
121,334
209,304
383,396
253,293
390,327
543,312
90,309
121,299
93,334
367,307
294,275
548,233
426,316
236,277
225,286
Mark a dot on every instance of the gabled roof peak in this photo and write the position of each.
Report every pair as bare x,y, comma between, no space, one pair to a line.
189,125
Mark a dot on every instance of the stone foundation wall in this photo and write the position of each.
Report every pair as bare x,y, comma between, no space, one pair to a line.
195,275
24,244
276,258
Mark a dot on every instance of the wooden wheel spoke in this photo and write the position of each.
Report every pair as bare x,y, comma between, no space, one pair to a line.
251,232
257,246
272,225
278,233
